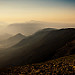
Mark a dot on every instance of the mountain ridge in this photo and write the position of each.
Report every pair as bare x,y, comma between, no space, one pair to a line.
38,47
12,40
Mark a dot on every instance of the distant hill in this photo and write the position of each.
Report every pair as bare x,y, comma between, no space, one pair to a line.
25,28
39,47
28,28
12,40
4,36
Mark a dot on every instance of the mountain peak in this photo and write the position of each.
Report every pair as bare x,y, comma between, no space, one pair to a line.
19,34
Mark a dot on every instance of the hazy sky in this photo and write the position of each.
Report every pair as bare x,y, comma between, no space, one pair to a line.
41,10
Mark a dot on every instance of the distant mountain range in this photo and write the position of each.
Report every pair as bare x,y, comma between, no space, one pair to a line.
33,26
39,47
11,41
27,28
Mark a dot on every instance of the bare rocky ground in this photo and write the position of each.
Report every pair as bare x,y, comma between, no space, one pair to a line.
61,66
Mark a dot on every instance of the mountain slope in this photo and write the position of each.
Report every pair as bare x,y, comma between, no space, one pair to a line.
64,65
39,47
12,41
67,49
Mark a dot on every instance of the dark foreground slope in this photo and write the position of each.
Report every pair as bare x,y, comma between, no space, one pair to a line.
39,47
67,49
62,66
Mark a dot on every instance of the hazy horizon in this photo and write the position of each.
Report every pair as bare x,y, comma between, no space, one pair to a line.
29,16
20,11
30,27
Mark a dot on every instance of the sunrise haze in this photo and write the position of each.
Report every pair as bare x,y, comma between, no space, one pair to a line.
57,11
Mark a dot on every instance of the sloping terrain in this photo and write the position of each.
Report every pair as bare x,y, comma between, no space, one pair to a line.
64,65
12,41
67,49
39,47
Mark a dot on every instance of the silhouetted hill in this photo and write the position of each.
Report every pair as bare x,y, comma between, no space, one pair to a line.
12,40
36,37
38,47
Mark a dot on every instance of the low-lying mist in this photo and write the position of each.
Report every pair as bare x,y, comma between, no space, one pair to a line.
31,27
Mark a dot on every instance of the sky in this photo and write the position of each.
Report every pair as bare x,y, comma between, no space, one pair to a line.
60,11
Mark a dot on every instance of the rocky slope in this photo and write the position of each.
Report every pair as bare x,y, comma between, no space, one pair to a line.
64,65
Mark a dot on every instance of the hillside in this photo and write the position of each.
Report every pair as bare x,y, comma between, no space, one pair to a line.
67,49
11,40
64,65
39,47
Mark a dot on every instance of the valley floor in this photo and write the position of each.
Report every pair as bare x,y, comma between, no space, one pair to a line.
61,66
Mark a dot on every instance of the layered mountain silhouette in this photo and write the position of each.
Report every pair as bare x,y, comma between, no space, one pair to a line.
39,47
27,28
12,40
